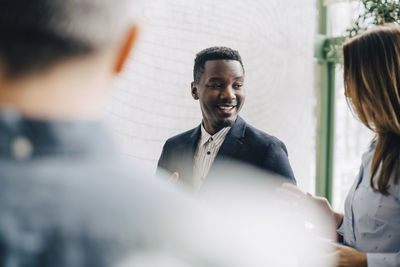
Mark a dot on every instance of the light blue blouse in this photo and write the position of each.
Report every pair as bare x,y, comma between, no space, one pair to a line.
371,222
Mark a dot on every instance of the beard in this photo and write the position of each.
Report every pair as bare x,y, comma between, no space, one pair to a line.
224,123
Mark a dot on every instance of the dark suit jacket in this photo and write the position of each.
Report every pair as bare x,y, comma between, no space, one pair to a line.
243,143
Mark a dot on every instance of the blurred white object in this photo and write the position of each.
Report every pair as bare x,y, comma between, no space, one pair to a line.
253,225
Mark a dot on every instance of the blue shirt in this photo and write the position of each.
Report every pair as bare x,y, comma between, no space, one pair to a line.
67,200
371,222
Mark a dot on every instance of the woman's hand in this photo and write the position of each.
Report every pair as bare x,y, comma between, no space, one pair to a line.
349,257
320,203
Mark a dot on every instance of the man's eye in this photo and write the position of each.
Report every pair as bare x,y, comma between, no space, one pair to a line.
215,85
237,86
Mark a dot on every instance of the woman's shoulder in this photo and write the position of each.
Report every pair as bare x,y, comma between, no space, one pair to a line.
369,153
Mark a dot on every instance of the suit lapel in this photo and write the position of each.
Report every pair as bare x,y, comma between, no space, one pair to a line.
233,143
191,143
188,149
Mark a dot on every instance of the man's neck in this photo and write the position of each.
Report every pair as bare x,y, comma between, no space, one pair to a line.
210,129
70,90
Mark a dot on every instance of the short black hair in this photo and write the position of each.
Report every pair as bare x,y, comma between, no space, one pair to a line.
36,34
213,53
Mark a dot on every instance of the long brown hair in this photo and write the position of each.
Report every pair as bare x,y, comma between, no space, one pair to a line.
372,83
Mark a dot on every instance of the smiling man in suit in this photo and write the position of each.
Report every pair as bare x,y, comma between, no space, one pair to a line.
223,135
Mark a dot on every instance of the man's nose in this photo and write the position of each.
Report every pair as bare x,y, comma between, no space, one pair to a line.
227,93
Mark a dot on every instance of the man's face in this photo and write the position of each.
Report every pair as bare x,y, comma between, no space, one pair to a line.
220,92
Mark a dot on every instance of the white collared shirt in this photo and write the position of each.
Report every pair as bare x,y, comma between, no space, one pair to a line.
207,149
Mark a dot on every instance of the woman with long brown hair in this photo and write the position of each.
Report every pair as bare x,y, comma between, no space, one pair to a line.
370,225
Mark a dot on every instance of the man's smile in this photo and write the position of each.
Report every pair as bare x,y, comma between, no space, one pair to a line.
226,108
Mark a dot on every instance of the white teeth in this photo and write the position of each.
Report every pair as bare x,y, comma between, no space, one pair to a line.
225,107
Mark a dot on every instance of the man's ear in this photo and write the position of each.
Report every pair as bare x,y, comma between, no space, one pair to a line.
126,48
195,93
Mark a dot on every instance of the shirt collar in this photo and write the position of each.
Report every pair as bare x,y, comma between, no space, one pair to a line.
51,137
205,136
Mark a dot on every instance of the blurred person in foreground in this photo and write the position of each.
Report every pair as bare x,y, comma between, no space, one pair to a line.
191,157
65,199
370,225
